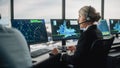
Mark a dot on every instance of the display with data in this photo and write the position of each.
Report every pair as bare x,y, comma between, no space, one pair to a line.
65,29
104,28
114,26
34,30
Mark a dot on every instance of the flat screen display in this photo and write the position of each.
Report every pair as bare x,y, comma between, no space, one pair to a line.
34,30
104,28
65,29
114,26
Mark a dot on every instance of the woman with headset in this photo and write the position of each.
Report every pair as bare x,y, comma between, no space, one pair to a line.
87,17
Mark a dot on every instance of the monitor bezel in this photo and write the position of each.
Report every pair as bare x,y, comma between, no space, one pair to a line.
32,43
106,26
113,33
62,38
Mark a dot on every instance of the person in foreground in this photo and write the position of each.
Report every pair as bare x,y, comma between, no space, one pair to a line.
14,52
87,17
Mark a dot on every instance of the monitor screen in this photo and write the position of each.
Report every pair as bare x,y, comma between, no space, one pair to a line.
65,29
114,26
103,26
34,30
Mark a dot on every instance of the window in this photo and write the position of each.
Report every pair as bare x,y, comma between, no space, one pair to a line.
5,12
73,6
112,9
37,9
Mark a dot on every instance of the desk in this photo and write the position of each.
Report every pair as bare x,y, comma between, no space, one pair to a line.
116,41
45,57
115,49
45,61
40,59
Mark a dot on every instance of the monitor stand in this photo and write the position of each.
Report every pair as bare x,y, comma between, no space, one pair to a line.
64,45
29,47
117,36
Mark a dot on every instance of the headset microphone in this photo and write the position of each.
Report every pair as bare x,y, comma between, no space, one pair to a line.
82,22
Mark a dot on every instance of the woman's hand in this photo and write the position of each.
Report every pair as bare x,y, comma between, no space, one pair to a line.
55,51
71,48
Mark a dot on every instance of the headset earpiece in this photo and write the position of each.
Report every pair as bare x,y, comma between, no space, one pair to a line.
87,15
88,19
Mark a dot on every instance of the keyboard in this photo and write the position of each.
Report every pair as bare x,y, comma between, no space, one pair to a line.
39,52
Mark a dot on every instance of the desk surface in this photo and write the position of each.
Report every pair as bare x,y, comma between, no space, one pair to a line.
44,57
50,45
40,59
116,41
114,52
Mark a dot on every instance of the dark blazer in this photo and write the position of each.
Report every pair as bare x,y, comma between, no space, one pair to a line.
82,48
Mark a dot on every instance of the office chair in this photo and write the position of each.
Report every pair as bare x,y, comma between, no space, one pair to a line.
99,53
14,52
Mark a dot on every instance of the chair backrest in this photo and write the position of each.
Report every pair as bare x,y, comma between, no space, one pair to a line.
14,52
101,47
99,51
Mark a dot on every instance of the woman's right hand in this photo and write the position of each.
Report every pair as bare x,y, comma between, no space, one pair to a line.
71,48
55,51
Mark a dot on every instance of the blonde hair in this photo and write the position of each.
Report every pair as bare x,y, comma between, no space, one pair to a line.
89,11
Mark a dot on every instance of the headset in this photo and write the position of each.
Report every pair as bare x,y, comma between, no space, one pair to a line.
87,18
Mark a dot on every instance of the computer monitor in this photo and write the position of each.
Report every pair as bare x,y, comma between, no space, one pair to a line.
103,27
114,26
34,30
65,29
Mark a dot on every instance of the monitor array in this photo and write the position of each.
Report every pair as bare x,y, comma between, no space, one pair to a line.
35,31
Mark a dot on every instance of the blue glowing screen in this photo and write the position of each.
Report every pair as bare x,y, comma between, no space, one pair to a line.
103,26
114,26
65,29
34,30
